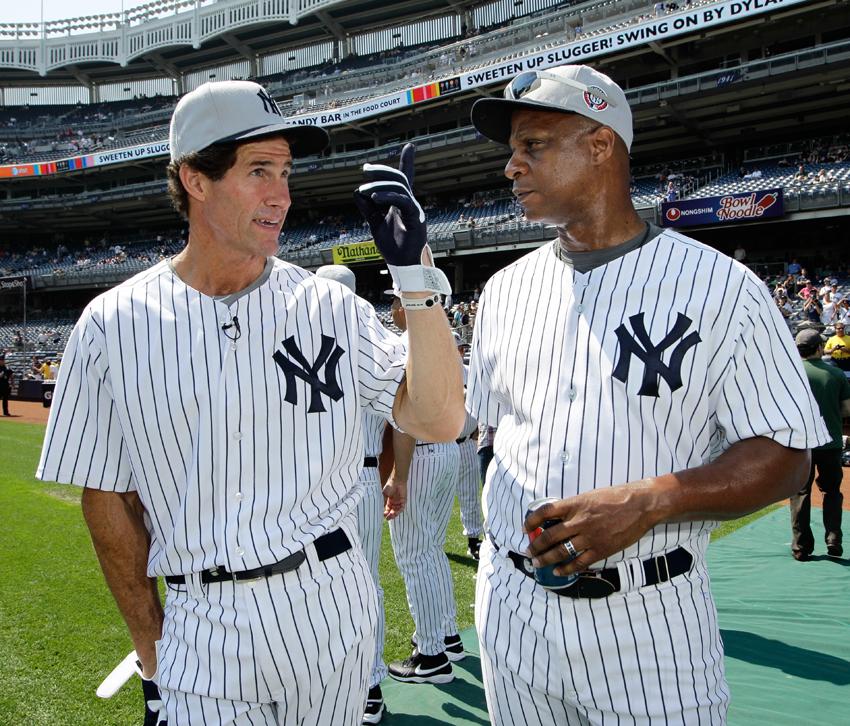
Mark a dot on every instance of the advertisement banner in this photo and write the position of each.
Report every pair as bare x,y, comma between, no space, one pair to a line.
13,283
357,252
741,207
142,151
648,31
19,170
578,51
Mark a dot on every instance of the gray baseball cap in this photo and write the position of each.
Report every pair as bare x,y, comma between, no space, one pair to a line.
808,339
221,111
340,273
570,89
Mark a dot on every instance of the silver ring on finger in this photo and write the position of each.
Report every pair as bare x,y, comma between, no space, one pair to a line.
572,552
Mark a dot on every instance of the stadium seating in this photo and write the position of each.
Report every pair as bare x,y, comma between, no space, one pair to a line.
450,216
351,80
835,176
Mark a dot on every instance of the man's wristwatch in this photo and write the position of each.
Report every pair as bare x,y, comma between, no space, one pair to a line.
420,303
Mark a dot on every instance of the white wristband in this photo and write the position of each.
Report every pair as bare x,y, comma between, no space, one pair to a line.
420,303
420,278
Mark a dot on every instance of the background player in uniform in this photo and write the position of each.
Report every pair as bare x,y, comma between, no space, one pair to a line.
620,364
832,393
468,487
6,378
377,503
419,540
239,486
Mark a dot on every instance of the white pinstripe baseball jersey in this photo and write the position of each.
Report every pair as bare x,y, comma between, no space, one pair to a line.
468,486
373,433
242,451
419,541
370,527
470,425
654,362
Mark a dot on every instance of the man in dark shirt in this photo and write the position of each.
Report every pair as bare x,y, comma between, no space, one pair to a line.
6,376
832,393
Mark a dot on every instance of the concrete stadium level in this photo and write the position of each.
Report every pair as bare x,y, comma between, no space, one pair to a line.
782,76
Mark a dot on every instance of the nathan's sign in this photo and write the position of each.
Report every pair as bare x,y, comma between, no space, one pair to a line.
357,252
743,207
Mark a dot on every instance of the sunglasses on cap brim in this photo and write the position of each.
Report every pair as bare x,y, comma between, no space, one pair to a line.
530,81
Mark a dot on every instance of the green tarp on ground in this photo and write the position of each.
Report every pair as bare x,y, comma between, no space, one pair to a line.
785,624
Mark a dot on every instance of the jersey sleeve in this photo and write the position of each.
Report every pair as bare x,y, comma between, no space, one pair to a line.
761,389
383,356
83,444
481,401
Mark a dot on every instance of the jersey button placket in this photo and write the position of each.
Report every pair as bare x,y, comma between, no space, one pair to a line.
579,287
231,435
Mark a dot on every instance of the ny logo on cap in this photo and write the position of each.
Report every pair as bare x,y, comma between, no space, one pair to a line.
329,355
269,105
651,354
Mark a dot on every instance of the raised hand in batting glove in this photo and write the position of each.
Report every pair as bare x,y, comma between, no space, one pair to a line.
154,707
397,222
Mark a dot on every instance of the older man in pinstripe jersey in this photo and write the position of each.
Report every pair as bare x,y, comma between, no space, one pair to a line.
238,484
629,403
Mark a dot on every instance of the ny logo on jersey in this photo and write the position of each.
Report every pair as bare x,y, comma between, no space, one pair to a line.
269,105
329,355
640,346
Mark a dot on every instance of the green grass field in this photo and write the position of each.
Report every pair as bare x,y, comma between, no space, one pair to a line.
60,632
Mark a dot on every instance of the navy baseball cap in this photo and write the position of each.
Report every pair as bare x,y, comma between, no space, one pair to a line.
221,111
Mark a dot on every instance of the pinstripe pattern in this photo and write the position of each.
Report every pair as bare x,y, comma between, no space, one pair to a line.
303,640
548,387
224,420
370,526
567,425
469,489
468,485
419,541
239,463
651,655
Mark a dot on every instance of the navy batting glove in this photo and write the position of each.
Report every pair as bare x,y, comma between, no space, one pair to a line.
395,218
154,707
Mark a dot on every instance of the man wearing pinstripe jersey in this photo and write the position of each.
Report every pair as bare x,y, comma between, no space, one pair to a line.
239,486
377,503
428,471
468,485
648,386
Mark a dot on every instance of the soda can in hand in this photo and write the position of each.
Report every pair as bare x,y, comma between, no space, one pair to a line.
545,576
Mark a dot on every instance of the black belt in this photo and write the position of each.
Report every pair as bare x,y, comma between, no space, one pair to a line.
601,583
462,439
370,462
327,546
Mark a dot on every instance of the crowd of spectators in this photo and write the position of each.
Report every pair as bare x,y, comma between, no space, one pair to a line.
35,132
101,126
821,302
66,257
